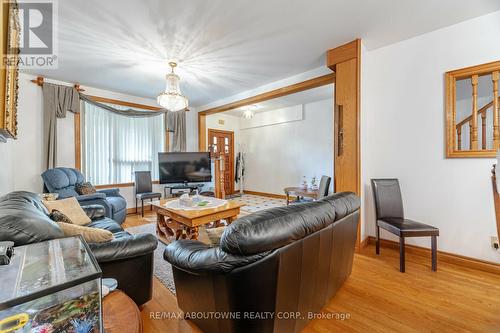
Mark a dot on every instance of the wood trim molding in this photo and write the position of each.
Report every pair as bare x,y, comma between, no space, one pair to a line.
346,52
364,243
78,141
131,211
124,103
266,194
345,60
482,69
100,187
447,257
202,132
215,130
291,89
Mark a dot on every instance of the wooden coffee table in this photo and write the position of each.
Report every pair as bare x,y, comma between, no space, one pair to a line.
174,224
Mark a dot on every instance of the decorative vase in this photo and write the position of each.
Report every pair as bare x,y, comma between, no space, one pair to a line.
314,185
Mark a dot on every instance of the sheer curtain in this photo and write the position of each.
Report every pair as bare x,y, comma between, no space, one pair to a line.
115,146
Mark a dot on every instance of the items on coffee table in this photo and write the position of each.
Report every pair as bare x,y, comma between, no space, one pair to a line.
175,221
52,286
186,201
49,196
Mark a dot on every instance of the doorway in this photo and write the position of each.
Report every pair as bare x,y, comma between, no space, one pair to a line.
221,142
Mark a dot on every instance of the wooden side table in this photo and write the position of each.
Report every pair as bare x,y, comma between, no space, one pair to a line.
120,314
300,192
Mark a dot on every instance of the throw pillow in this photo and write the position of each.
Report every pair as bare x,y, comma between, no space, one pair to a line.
91,235
57,216
85,188
71,208
214,235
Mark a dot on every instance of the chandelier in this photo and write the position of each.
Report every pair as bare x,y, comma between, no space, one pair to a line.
172,99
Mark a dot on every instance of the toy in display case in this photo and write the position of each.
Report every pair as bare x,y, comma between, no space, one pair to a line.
51,287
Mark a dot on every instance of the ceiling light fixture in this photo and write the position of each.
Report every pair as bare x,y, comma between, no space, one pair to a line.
172,99
248,111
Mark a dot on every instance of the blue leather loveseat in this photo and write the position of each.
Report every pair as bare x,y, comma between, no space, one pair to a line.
63,180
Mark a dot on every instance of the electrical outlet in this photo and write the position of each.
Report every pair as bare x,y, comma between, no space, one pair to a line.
494,242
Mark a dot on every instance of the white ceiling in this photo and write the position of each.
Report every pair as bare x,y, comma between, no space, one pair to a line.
229,46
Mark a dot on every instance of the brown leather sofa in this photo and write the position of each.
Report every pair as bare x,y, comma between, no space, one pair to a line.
273,270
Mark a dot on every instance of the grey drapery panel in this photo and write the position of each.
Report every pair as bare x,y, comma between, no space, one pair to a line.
176,123
57,100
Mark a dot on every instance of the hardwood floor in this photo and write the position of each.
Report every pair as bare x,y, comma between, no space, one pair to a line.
378,298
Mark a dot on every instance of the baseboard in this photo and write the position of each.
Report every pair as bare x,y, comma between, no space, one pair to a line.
447,257
131,211
265,194
364,243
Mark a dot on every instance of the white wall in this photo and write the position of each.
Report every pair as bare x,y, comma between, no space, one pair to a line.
278,156
403,136
22,159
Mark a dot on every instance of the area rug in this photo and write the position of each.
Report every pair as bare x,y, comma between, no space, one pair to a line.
162,269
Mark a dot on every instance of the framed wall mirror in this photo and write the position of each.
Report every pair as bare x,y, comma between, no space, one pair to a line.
472,111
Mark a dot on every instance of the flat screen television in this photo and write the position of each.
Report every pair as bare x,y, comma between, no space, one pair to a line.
185,167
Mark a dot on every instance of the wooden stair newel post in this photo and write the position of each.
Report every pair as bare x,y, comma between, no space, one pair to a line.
496,133
473,130
345,61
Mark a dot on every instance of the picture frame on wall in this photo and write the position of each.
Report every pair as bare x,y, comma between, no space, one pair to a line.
9,69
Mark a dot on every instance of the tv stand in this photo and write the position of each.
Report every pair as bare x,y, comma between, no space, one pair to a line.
167,190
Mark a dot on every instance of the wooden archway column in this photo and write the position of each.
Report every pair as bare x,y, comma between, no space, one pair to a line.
345,61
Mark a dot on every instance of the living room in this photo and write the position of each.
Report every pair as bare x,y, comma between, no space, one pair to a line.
394,104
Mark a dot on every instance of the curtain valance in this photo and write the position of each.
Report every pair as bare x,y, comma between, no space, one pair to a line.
127,112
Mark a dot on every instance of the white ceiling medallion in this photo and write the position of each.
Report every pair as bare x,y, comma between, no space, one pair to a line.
172,99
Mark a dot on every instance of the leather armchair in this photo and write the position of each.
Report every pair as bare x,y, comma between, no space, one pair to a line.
24,220
283,260
63,180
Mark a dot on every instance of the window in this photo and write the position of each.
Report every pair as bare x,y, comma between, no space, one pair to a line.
115,146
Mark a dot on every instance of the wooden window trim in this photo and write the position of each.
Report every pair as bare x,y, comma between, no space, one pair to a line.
100,187
451,78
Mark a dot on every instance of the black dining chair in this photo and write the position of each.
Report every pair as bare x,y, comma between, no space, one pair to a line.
324,186
390,217
144,189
